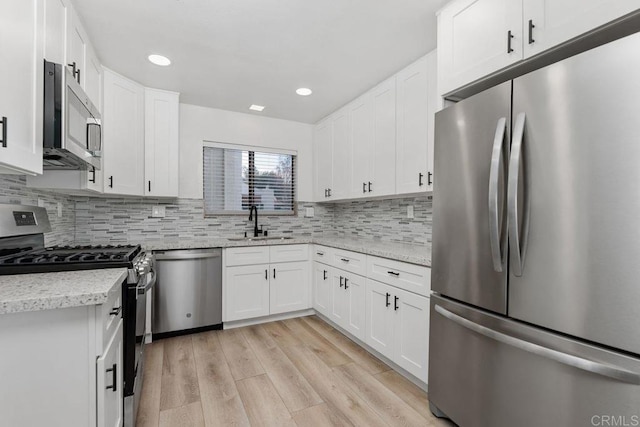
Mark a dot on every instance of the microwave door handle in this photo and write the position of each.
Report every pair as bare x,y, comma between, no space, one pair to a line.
497,252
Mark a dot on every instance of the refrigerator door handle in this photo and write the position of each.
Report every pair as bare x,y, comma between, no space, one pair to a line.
497,251
518,243
557,356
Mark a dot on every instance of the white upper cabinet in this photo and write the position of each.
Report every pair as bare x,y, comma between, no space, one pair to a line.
55,30
342,154
93,78
382,148
476,38
323,153
77,42
21,86
548,23
161,137
415,110
123,135
361,111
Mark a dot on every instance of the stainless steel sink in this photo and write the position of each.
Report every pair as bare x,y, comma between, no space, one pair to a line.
250,239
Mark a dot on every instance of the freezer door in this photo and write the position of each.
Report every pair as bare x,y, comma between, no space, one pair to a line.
486,370
575,266
469,207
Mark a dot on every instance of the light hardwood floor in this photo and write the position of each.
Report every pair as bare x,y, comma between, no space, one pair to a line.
297,372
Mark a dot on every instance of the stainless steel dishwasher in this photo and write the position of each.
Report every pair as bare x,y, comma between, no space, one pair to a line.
188,293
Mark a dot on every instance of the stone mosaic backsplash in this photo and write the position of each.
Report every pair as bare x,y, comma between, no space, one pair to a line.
13,190
95,220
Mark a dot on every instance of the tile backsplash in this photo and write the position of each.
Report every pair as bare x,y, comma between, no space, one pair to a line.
97,220
14,190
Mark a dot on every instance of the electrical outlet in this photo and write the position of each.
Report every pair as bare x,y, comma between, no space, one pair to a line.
410,212
309,212
59,210
158,212
41,203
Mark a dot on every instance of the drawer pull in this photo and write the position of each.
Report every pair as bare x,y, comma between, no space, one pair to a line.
115,311
320,253
114,372
393,273
344,260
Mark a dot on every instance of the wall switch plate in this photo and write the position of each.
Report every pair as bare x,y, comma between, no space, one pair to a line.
59,210
410,212
41,203
309,212
158,212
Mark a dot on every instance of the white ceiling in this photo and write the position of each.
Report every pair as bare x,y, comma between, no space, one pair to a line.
230,54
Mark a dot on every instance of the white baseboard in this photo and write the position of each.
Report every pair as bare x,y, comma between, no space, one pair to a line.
267,319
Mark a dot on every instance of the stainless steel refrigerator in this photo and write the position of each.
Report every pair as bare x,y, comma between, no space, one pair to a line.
535,319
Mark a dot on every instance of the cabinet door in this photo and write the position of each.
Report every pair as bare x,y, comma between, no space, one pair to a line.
473,40
356,305
55,30
383,144
323,148
161,143
361,111
342,155
411,332
289,288
77,47
123,135
413,128
321,288
380,317
548,23
109,382
339,305
93,78
246,292
21,80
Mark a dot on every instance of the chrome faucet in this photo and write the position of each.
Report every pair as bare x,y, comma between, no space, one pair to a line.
256,230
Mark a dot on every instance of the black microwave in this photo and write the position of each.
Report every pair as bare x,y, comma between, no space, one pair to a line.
72,133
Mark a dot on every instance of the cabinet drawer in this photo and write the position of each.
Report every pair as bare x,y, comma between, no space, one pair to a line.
410,277
288,253
322,254
111,313
247,256
349,261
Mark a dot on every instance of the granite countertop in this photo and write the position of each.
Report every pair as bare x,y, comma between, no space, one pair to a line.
45,291
406,252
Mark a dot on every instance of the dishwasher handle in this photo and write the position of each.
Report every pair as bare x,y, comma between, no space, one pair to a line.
186,255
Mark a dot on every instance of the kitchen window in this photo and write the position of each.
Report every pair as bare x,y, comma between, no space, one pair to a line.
236,179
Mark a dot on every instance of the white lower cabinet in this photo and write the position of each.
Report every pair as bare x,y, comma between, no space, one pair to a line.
322,288
247,292
288,289
348,302
109,382
398,326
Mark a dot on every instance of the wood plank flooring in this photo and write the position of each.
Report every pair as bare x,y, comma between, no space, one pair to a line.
297,372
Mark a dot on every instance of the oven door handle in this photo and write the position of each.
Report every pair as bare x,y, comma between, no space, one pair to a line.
150,284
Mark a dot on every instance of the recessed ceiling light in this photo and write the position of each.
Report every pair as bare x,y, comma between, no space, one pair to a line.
163,61
256,107
303,91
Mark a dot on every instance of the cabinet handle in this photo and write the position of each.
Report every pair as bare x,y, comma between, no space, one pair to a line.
364,187
531,27
344,260
420,175
78,76
115,311
93,175
274,273
345,283
74,72
393,273
429,180
111,181
4,131
369,186
149,186
266,274
509,38
329,192
395,303
324,274
341,279
114,372
387,300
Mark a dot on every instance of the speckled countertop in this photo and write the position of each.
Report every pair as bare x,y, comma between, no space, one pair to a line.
406,252
45,291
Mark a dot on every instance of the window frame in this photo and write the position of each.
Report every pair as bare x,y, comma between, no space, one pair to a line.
251,148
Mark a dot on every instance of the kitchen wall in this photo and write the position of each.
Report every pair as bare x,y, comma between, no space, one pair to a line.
13,190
